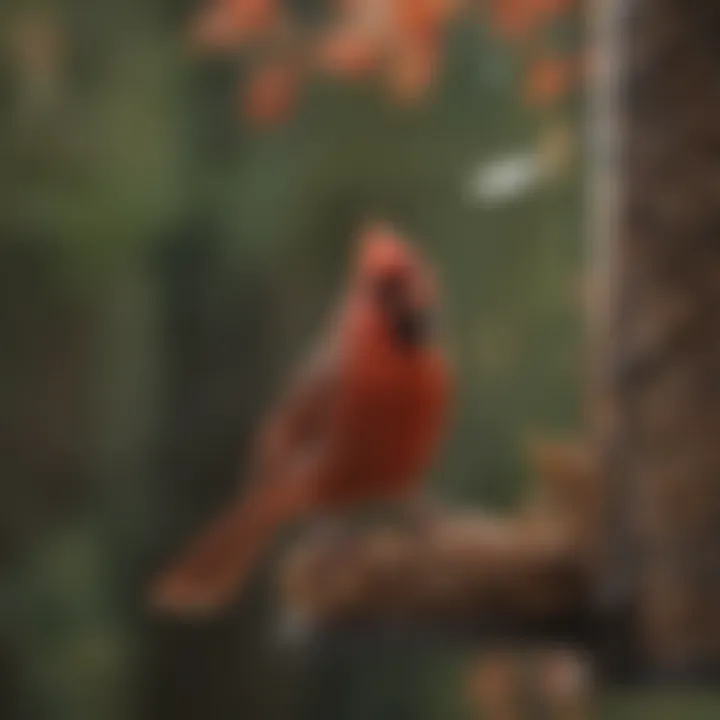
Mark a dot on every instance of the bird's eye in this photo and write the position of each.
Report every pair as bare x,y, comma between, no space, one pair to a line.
389,290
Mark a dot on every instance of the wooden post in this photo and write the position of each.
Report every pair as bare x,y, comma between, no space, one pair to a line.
657,380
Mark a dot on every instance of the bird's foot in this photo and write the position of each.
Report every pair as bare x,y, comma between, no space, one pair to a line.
421,515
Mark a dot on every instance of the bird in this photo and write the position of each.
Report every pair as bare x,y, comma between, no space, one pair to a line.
359,423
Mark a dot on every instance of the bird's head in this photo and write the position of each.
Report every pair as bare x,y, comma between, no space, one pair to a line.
396,283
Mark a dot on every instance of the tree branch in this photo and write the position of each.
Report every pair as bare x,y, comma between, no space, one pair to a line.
501,575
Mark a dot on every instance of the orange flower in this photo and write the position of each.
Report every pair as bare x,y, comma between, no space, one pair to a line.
416,47
270,96
349,53
225,24
552,8
548,80
412,71
517,19
401,40
423,21
514,19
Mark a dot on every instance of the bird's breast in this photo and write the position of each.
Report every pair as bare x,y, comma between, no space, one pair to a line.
390,417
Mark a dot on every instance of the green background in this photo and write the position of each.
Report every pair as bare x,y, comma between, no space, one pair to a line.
162,265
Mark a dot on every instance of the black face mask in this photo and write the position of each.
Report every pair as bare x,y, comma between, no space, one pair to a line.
411,326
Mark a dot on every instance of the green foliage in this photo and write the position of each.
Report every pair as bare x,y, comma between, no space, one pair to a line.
666,705
205,254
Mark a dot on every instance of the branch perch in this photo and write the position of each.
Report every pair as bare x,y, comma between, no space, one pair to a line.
531,570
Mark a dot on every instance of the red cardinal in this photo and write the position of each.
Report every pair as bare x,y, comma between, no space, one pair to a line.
360,423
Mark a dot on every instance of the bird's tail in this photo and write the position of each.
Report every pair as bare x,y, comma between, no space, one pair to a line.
216,564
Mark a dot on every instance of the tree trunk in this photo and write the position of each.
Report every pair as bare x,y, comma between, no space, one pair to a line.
655,394
657,417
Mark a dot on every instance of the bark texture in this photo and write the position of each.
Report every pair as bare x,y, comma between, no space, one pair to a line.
660,362
528,574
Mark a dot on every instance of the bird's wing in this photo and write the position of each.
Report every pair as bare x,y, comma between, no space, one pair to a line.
298,426
289,453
